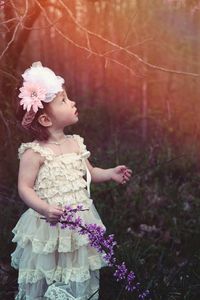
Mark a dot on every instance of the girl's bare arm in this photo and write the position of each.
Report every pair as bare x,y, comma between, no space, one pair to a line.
120,174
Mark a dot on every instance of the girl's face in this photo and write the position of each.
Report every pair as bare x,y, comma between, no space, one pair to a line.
62,111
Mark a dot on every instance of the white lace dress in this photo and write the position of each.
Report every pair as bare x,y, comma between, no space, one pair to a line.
55,263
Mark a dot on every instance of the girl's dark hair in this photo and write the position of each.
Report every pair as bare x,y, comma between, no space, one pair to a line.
36,130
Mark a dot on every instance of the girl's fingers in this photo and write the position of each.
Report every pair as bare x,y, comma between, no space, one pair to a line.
126,178
56,215
123,168
59,209
127,175
129,171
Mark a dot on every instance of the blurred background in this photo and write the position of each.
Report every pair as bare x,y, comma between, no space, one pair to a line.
133,68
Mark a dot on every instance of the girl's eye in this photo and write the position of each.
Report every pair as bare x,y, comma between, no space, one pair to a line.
63,100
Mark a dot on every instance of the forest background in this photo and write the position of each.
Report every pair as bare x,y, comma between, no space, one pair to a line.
133,68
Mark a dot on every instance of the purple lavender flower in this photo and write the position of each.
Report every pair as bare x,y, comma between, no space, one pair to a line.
120,272
144,295
79,207
130,282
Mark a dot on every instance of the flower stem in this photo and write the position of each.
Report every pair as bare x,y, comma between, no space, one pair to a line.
93,294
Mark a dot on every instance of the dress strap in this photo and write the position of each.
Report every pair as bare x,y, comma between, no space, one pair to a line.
45,152
82,146
84,154
88,177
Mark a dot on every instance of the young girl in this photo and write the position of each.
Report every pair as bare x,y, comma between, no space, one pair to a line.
55,263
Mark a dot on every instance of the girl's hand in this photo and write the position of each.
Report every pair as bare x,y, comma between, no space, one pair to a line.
53,213
121,174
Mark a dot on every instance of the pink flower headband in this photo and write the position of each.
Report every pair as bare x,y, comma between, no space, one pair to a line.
40,85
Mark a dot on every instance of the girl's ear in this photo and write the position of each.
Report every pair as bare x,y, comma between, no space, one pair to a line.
44,120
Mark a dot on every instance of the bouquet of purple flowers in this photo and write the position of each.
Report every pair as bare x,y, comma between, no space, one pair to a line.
104,245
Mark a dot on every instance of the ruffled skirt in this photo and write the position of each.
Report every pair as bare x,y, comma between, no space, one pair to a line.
55,263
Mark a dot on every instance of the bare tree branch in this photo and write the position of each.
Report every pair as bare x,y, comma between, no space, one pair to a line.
9,75
9,135
20,19
25,21
26,25
41,27
82,47
122,48
11,41
8,21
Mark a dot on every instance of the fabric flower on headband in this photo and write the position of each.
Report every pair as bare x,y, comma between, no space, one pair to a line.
32,95
40,84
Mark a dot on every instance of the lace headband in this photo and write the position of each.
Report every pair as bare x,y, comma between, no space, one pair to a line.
40,85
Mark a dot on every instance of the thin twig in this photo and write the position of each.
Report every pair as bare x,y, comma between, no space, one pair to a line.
158,165
144,171
8,21
121,291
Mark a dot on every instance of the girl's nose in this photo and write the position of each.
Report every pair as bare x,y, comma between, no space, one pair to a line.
73,103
